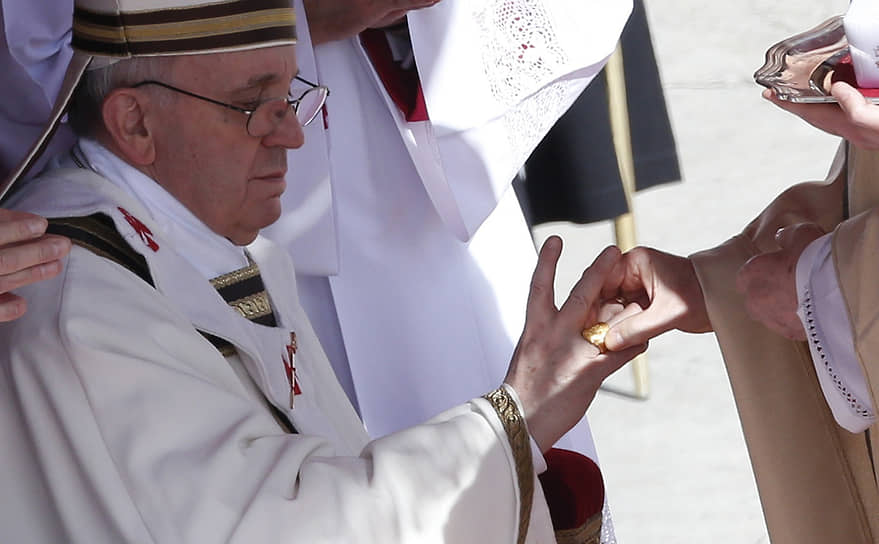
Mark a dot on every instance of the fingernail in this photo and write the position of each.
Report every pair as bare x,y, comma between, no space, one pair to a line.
49,270
778,233
12,310
59,247
37,226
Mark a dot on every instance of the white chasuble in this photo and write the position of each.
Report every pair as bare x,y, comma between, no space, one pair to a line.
434,256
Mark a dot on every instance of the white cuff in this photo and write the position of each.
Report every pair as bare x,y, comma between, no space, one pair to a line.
825,318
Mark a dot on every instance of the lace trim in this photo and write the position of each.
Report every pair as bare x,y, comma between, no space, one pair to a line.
519,46
607,533
528,122
814,339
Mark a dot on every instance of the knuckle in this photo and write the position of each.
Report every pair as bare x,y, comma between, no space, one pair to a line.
579,299
8,261
6,284
539,288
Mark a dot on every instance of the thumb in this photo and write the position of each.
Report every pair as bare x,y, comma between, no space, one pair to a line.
797,237
849,98
637,329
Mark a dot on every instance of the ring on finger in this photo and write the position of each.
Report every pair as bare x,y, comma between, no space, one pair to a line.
595,335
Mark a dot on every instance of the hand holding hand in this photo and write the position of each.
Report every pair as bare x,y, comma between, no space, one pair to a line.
27,255
853,118
768,281
664,294
331,20
554,371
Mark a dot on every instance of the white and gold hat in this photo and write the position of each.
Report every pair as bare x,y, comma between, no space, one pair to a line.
105,31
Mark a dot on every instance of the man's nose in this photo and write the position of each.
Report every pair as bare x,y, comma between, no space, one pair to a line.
287,134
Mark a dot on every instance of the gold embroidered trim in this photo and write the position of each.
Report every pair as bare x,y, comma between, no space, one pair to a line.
588,533
221,282
177,30
520,442
253,306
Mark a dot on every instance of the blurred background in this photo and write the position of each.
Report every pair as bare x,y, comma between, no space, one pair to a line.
675,464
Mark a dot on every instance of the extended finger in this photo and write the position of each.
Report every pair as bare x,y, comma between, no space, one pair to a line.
30,275
628,311
609,309
586,291
21,256
541,299
636,328
16,226
11,307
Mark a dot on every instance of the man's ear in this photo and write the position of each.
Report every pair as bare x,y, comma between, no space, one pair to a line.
124,115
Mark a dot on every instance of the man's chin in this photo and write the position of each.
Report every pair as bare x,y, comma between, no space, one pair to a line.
246,234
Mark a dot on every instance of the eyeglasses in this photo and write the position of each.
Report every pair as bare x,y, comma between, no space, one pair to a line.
265,116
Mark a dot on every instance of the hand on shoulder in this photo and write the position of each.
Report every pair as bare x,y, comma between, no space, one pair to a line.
27,255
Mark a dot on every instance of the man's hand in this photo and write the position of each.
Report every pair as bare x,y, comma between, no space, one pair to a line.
664,294
27,255
853,118
768,281
331,20
554,371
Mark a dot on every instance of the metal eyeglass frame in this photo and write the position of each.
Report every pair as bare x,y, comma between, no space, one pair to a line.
292,102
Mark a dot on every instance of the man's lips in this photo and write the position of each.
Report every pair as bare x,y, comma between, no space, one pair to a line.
272,176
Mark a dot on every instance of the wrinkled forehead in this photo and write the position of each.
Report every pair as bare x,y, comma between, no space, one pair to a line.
239,69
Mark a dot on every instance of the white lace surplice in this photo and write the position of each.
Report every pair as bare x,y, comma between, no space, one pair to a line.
496,75
828,328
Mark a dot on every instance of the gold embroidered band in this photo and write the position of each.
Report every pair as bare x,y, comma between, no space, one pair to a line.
520,442
253,306
589,533
236,276
243,290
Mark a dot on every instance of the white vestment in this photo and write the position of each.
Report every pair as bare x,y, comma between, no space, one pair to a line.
414,256
420,281
119,422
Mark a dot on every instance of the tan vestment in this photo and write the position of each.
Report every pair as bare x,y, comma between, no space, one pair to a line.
816,480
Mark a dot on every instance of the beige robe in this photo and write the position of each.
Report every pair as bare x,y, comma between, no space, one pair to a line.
816,480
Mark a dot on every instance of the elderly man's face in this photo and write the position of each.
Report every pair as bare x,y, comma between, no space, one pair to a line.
204,156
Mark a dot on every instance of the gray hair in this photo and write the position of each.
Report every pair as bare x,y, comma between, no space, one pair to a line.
85,115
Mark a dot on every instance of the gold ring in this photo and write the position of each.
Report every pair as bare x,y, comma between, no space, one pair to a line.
595,335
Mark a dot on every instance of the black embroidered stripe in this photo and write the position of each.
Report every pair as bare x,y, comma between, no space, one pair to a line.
267,320
98,234
241,289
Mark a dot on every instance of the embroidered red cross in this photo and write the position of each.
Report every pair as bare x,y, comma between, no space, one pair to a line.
142,230
290,368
